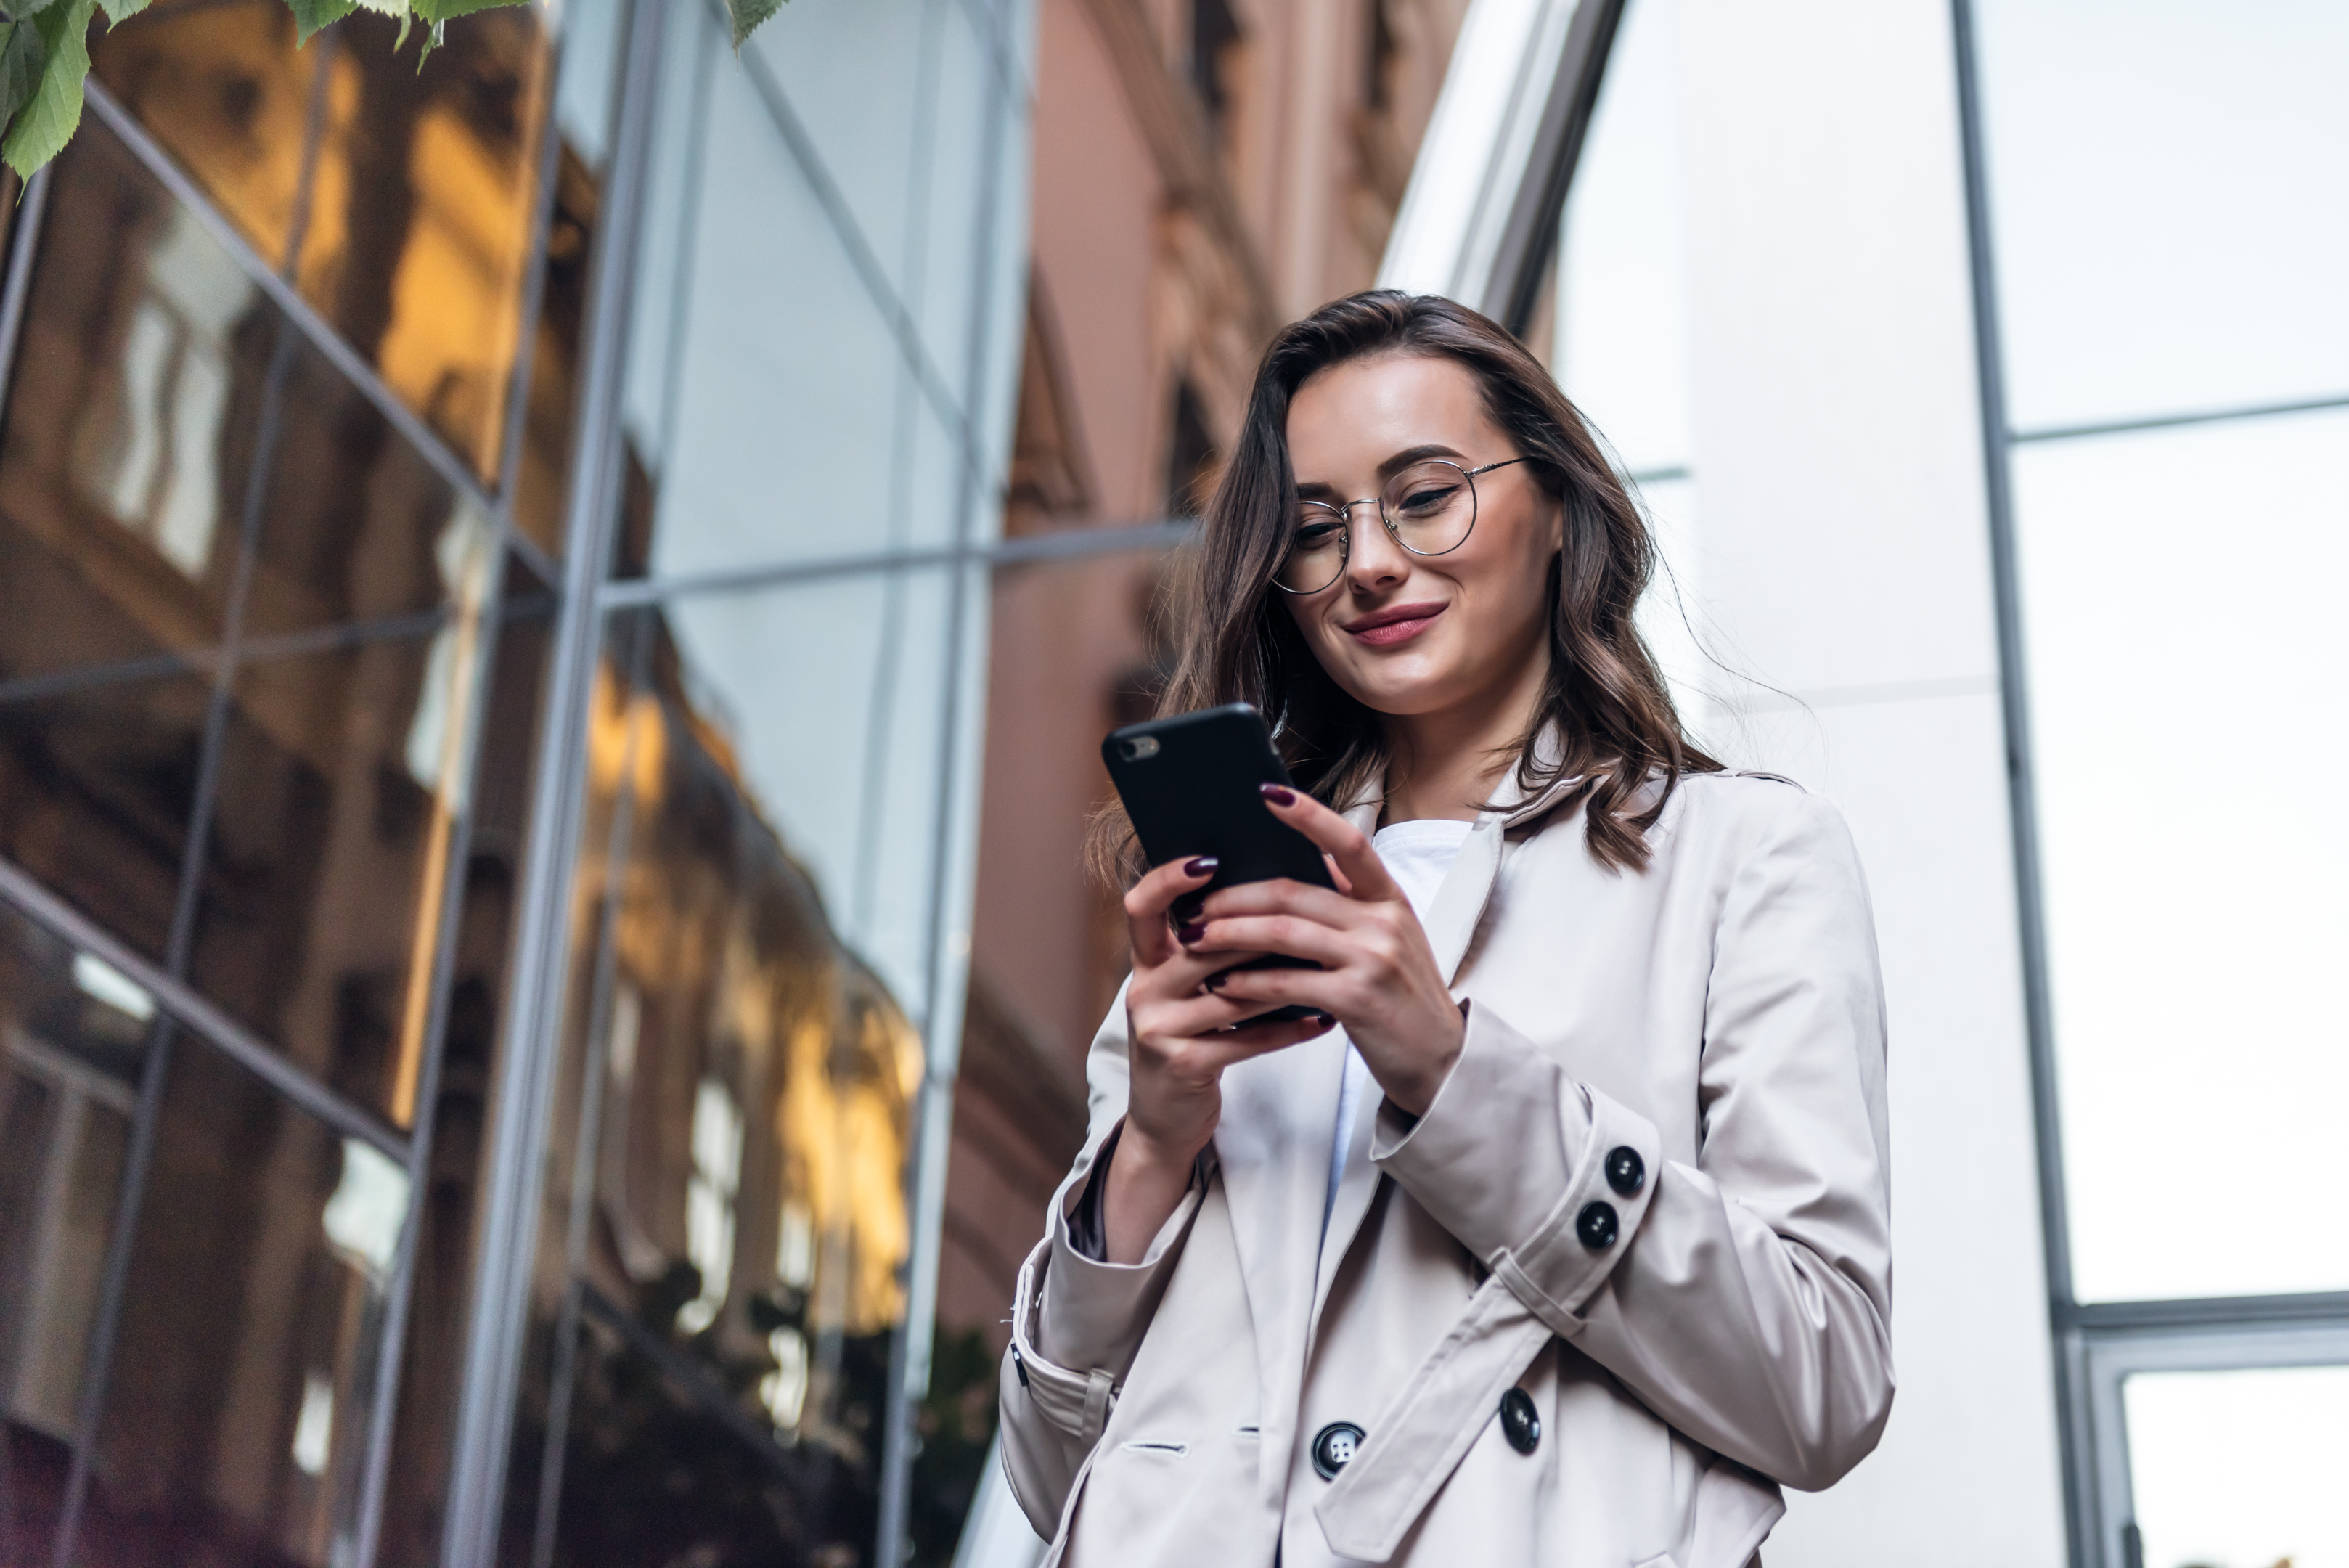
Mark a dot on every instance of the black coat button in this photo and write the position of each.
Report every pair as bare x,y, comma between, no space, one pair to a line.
1333,1448
1626,1171
1597,1226
1520,1422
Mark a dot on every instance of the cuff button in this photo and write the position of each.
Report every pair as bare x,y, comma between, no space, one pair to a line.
1596,1225
1626,1171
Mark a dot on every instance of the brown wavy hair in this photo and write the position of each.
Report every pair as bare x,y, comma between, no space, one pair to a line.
1605,695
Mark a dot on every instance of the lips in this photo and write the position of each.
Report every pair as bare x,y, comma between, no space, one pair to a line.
1398,623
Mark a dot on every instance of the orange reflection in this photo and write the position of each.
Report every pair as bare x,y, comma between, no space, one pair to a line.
759,1081
421,183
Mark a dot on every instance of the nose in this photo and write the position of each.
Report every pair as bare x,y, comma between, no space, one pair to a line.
1373,560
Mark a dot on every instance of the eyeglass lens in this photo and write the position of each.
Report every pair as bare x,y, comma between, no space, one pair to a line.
1428,509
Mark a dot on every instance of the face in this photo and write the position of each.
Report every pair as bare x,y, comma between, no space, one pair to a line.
1417,636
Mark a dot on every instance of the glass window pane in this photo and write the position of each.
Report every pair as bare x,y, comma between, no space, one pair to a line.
828,698
341,775
2170,203
243,1368
136,385
423,183
225,91
2240,1470
764,402
2180,617
854,76
98,786
1623,349
737,1092
449,1206
73,1034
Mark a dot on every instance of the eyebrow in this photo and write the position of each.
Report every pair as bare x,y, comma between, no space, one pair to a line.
1314,490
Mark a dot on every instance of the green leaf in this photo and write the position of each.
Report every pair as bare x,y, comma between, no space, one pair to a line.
748,15
40,130
438,11
310,16
21,54
121,11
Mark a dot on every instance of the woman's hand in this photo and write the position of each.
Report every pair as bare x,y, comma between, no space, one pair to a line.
1180,1039
1378,975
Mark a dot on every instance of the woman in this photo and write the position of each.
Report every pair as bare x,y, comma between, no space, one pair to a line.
1569,1244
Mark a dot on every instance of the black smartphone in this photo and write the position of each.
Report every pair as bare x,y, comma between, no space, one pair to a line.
1191,785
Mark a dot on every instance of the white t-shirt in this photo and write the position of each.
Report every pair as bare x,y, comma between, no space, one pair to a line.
1418,856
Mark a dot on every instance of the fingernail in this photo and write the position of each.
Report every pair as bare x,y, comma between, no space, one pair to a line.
1323,1018
1201,866
1186,935
1278,795
1216,982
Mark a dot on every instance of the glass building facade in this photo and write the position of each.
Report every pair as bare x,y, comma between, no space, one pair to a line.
494,575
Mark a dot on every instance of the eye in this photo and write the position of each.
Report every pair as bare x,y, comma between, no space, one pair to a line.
1315,533
1427,498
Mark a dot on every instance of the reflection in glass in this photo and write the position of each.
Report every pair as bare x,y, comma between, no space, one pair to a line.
447,1207
727,1199
414,187
2240,1470
764,401
2170,202
98,785
73,1034
224,90
2180,606
122,473
342,777
243,1371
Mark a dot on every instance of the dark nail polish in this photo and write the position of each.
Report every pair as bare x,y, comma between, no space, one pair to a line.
1187,935
1216,982
1278,795
1201,866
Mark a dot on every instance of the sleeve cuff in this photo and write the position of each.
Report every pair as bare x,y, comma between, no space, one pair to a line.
1539,1176
1092,1314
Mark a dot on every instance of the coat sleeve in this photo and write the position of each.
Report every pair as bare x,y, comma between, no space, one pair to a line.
1076,1323
1747,1299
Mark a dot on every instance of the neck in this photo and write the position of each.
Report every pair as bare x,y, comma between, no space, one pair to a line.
1447,763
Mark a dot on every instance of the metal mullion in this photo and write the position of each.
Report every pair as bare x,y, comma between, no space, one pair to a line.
2075,1421
258,650
1070,545
190,1009
313,328
2173,421
861,259
30,207
2212,1313
505,1254
910,1350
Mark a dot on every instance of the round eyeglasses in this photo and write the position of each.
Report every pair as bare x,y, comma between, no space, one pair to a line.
1429,509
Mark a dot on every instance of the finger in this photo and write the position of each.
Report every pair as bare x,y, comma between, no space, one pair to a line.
1341,840
1288,935
1205,1016
1345,883
1186,972
1282,896
1146,904
1263,1039
1254,990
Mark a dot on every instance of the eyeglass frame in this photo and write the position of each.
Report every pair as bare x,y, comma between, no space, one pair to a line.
1345,511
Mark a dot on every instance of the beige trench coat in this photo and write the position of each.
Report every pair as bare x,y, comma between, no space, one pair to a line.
1719,1015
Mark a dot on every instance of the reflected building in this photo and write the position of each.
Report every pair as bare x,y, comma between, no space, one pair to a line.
492,583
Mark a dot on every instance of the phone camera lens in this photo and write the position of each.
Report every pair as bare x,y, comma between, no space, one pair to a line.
1138,747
